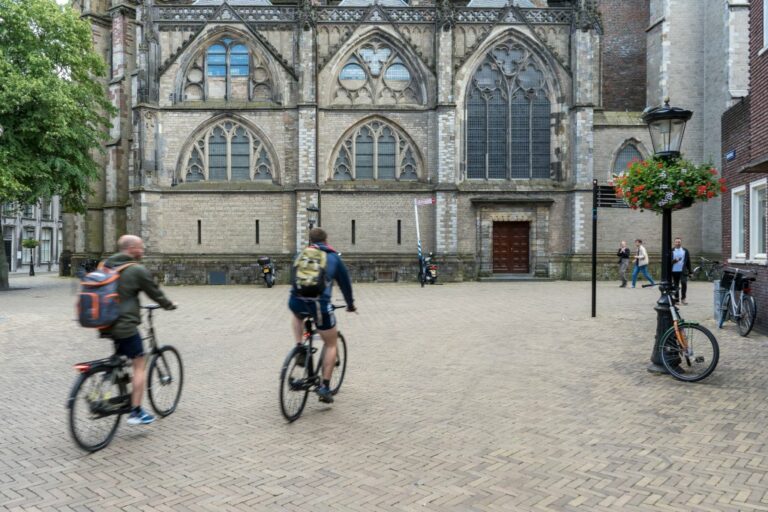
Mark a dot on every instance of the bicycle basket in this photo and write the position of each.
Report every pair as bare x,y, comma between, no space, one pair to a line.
727,279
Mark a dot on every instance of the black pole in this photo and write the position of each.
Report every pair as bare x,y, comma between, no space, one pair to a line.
663,315
594,248
32,262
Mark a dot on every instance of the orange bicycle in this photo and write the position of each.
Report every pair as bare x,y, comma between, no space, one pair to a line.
689,351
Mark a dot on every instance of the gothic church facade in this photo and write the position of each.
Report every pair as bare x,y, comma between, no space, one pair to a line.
236,116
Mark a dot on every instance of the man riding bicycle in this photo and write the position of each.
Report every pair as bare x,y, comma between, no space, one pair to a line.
133,279
319,307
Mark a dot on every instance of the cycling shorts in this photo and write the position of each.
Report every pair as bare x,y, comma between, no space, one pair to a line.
320,310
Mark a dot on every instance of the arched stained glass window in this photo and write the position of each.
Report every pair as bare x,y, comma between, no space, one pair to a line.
377,151
217,60
508,117
627,154
228,151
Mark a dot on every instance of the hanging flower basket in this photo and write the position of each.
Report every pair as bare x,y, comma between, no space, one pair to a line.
658,184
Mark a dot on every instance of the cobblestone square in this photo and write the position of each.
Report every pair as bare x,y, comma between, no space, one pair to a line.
462,397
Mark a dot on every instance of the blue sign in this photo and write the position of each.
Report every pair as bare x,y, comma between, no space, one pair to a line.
731,155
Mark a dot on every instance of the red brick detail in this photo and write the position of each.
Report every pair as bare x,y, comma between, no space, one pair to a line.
624,53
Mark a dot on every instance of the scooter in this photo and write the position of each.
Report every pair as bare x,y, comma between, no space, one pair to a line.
428,274
267,270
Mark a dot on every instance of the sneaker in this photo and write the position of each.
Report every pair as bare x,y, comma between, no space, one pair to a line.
325,394
301,358
685,303
140,418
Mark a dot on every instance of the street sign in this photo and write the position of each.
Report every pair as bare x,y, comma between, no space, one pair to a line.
421,202
730,156
606,198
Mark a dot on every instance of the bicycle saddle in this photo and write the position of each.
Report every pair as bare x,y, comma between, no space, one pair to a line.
151,306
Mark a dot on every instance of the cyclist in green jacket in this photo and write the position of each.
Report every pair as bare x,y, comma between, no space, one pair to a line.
125,331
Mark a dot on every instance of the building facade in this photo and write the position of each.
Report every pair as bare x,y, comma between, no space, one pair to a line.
745,165
235,117
42,222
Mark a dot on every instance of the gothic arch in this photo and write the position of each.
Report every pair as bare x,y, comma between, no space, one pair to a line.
375,67
196,154
266,80
619,157
376,148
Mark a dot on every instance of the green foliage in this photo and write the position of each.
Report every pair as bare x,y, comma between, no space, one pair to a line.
53,110
657,184
29,243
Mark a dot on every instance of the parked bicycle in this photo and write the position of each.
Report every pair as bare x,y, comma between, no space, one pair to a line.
689,351
102,391
297,379
712,270
739,304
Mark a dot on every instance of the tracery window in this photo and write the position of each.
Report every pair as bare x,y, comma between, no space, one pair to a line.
227,69
627,154
376,151
377,74
508,129
227,151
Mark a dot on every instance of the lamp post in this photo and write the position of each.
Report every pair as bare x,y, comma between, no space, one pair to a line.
666,125
313,212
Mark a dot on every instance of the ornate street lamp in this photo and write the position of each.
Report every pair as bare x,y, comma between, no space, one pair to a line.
666,125
312,215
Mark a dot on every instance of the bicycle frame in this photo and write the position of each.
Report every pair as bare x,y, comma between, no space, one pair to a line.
737,300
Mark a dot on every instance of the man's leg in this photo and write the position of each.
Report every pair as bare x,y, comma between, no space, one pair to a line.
298,329
635,271
623,272
329,337
676,284
683,284
139,378
647,275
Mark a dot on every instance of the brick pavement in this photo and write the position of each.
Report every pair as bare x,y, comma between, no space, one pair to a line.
463,397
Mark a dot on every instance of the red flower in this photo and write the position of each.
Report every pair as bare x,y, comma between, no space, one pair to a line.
646,204
649,193
723,189
702,190
721,180
639,188
634,200
712,172
710,194
659,165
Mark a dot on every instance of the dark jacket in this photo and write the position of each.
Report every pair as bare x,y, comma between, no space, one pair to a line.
335,270
623,254
133,279
687,266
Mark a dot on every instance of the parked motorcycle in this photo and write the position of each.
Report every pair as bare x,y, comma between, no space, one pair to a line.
428,273
267,270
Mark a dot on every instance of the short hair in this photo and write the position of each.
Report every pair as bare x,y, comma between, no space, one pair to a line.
678,238
125,242
638,241
317,235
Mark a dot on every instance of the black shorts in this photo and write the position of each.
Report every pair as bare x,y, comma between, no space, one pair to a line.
320,310
131,347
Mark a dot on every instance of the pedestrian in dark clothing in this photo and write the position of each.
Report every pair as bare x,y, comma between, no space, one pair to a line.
623,255
681,269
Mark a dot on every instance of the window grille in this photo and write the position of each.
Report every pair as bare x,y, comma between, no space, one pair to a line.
627,154
508,117
375,151
228,151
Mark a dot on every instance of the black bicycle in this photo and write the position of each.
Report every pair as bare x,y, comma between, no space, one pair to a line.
302,370
689,351
712,270
102,392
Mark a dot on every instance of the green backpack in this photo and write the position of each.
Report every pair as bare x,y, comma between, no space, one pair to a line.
309,276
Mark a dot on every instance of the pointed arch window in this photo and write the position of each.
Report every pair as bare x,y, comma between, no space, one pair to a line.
626,155
376,151
377,74
228,151
508,111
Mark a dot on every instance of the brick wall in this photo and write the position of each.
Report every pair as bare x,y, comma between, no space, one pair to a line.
624,39
758,81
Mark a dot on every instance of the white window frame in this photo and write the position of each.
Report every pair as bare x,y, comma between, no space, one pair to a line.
737,237
754,215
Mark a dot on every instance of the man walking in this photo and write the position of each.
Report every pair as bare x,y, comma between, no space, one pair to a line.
681,267
641,263
623,255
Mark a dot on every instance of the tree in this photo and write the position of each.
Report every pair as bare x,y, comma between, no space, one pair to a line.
53,109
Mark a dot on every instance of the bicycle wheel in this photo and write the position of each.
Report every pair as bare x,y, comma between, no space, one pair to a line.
697,361
165,380
748,314
95,406
725,311
341,364
294,384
